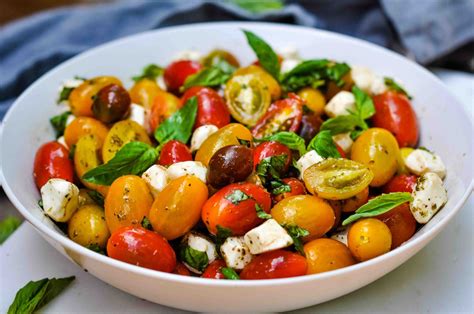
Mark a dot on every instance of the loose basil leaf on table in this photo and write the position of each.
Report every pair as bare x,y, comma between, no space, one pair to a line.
132,158
290,139
392,85
36,294
324,145
194,258
297,233
59,123
180,125
151,71
7,227
379,205
229,273
267,58
208,77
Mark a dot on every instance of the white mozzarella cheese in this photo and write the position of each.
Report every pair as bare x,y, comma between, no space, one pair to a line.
156,177
289,64
69,119
193,55
235,252
429,195
62,141
160,80
367,80
188,168
200,243
289,52
340,104
378,85
421,161
307,160
137,114
201,134
268,236
60,199
341,235
344,141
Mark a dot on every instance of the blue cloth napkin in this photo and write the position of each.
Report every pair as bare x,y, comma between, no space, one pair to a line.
425,29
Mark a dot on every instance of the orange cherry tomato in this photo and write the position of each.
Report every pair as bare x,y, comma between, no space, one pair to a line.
369,238
180,269
141,247
164,105
327,254
52,161
177,72
234,207
173,152
81,126
275,264
213,270
400,183
296,188
144,91
401,223
394,112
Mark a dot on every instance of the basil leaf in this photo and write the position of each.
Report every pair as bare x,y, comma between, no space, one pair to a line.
296,233
259,6
307,67
132,158
64,94
40,203
36,294
244,142
59,123
336,71
146,223
271,167
261,213
7,227
379,205
342,124
222,234
180,125
267,58
279,187
96,248
194,258
364,104
290,139
324,145
392,85
229,273
96,197
151,71
237,196
207,77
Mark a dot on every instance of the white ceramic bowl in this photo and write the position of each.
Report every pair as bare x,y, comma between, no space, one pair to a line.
445,128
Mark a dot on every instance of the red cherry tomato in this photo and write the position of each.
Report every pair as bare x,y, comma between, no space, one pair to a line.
52,161
400,183
341,151
297,188
180,269
394,112
275,264
401,223
141,247
211,107
234,207
282,115
270,149
177,72
173,152
213,270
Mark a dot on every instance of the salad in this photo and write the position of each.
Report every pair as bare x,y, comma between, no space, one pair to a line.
208,168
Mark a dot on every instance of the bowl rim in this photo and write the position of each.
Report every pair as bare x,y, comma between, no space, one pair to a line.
67,243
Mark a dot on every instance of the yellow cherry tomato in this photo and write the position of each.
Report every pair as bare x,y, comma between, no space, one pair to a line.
85,198
228,135
178,207
217,55
378,149
313,99
404,152
369,238
337,179
144,92
273,86
129,200
88,227
80,99
327,254
353,203
82,126
308,212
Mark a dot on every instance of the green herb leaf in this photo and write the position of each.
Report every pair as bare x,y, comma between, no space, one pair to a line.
7,227
194,258
279,187
266,56
96,248
132,158
237,196
341,124
336,71
146,223
96,197
72,151
261,213
36,294
222,234
40,203
271,167
259,6
151,71
379,205
297,233
207,77
229,273
64,94
290,139
307,67
324,145
59,123
244,142
392,85
180,125
364,104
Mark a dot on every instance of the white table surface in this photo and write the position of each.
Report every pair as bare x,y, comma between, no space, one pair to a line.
438,279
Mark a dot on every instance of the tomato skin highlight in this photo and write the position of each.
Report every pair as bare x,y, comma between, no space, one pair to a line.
394,112
275,264
141,247
173,152
270,149
400,183
213,270
52,161
282,115
211,107
177,72
297,188
240,217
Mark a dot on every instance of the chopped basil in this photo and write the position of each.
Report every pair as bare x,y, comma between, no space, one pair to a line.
379,205
267,58
261,213
290,139
364,104
59,123
146,223
229,273
96,248
392,85
7,227
151,71
279,187
324,145
96,197
237,196
207,77
271,167
180,125
64,94
194,258
133,158
36,294
244,142
222,234
296,233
